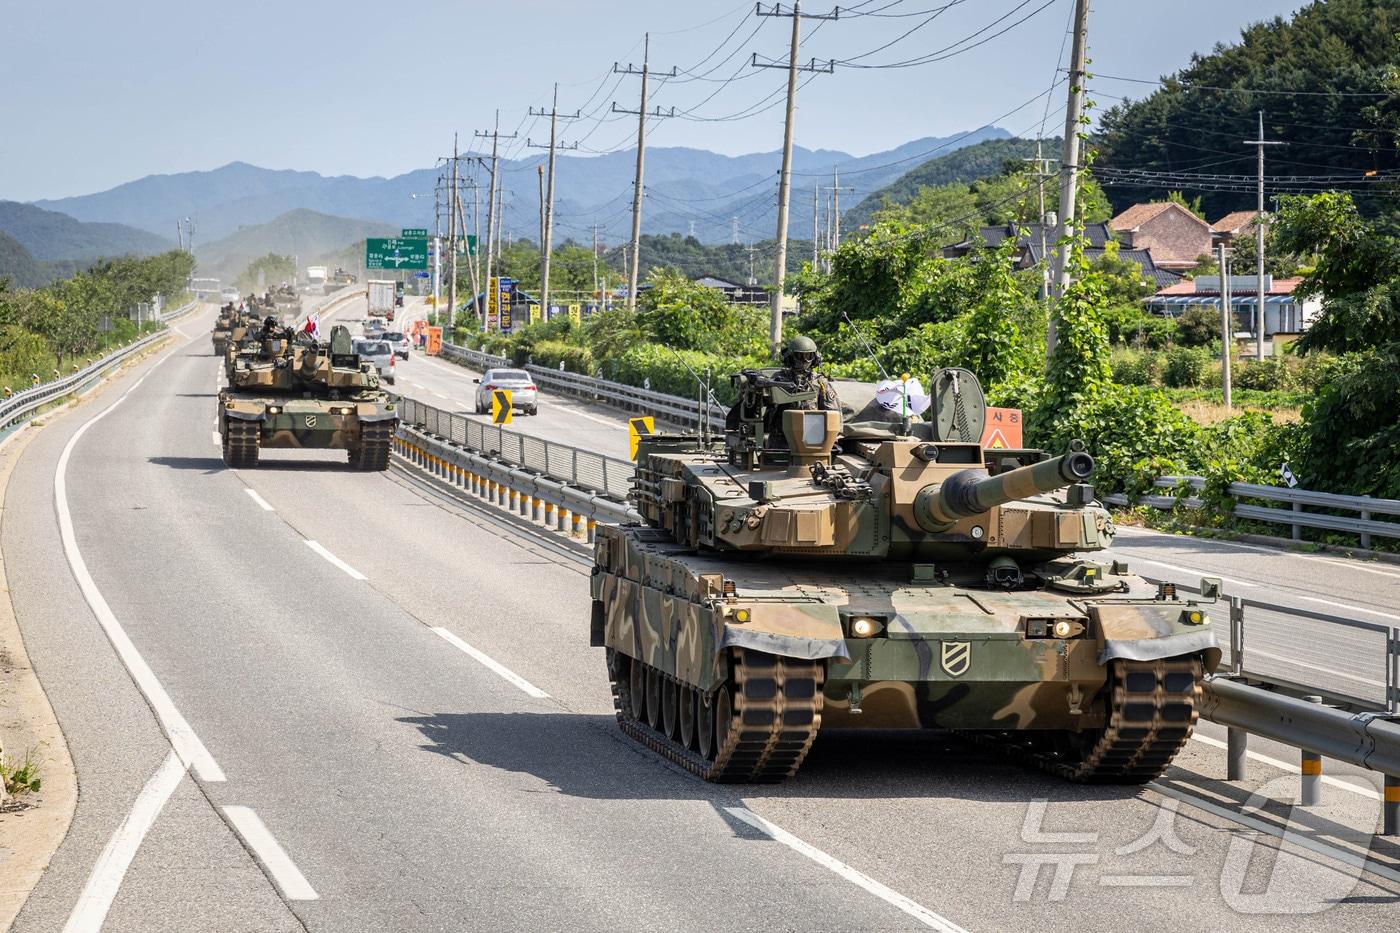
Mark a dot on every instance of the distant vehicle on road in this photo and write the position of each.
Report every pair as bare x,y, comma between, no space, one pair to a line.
381,298
399,341
230,295
380,354
520,383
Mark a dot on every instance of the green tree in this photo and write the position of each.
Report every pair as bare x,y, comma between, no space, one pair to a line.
273,268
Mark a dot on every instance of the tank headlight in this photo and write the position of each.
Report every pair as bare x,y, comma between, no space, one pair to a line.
1063,629
273,410
864,627
977,532
741,615
1193,617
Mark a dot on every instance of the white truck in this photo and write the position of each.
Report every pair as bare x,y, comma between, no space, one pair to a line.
316,276
381,298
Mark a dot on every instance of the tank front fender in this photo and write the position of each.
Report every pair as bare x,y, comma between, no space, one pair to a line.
238,415
793,630
378,416
1148,632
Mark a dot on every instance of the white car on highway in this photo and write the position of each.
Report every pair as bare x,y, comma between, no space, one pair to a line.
520,383
400,342
380,354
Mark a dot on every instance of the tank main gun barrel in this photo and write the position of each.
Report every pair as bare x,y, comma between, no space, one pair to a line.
972,492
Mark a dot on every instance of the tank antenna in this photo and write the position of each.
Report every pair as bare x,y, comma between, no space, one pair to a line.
861,338
706,394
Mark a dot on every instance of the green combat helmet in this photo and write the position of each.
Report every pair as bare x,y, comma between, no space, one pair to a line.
882,569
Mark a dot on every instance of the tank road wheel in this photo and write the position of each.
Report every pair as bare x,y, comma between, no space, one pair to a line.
686,715
240,443
655,682
372,452
670,707
637,680
1152,709
757,726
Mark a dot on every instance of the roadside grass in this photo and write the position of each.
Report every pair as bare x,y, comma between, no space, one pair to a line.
20,778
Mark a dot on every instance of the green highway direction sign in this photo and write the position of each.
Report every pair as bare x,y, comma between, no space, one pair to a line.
396,253
418,232
469,247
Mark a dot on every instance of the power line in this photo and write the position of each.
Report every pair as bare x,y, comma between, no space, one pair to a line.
1176,84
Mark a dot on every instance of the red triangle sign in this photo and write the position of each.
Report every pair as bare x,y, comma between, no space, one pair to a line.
996,440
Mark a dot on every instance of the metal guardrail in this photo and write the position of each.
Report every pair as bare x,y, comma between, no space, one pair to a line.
585,469
539,496
1363,525
675,409
22,406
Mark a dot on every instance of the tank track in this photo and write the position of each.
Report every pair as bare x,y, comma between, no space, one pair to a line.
376,441
1153,707
241,443
220,345
761,722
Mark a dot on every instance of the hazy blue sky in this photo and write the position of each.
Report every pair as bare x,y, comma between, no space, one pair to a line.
101,93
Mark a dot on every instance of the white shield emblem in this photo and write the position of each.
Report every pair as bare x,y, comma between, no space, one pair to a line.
955,657
311,421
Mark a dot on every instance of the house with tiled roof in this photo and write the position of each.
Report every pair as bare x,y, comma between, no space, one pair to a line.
1028,254
1175,237
1234,224
1284,311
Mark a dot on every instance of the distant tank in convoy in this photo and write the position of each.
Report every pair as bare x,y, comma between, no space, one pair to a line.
848,565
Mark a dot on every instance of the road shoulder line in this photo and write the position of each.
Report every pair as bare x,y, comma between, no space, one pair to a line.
270,855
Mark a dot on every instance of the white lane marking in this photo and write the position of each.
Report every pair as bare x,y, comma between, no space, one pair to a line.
272,856
1369,792
182,737
919,912
493,664
106,878
218,441
262,503
1134,559
320,549
1350,607
1357,563
1283,834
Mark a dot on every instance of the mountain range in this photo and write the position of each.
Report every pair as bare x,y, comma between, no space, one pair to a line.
303,233
688,191
49,235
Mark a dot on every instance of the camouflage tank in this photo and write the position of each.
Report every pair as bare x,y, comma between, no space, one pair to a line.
287,391
864,569
223,327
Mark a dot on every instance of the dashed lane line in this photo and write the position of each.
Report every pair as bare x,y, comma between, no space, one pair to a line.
492,664
273,858
262,503
861,880
321,549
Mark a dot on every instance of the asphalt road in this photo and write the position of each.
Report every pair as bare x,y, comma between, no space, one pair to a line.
398,691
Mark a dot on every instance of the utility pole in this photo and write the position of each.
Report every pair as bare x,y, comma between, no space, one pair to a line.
1227,325
491,216
835,214
734,230
775,327
641,113
816,216
547,200
1260,143
1041,173
437,243
452,242
596,290
1069,161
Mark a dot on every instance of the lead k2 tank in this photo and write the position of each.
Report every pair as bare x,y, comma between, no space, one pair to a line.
287,391
862,569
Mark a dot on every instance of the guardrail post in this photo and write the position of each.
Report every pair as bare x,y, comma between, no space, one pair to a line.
1236,746
1390,806
535,508
1297,529
576,523
549,513
1310,765
592,530
1365,535
524,504
512,498
563,517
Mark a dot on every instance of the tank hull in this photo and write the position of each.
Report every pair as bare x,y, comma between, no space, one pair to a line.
248,424
946,651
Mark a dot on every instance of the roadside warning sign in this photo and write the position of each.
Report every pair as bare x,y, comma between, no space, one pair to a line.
500,406
638,428
434,346
1003,430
